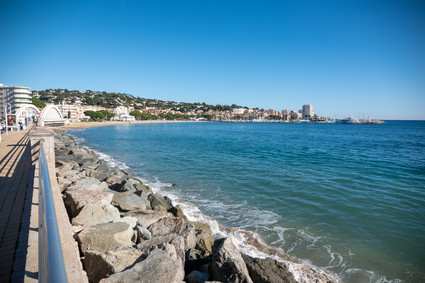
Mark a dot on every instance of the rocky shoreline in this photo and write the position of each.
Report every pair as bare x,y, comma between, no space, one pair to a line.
127,233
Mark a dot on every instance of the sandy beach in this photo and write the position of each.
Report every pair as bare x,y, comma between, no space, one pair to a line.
83,125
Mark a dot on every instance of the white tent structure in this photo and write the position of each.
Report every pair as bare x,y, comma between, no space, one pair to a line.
51,116
27,114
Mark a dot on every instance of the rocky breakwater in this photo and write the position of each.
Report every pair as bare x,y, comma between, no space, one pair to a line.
127,233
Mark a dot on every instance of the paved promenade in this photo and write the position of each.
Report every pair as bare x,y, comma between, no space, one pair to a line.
16,180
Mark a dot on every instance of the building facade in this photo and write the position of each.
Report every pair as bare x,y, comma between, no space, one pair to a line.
307,111
13,97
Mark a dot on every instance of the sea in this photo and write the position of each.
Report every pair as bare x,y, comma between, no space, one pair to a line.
347,198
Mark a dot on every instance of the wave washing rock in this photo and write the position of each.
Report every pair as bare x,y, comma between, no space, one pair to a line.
168,245
268,270
228,264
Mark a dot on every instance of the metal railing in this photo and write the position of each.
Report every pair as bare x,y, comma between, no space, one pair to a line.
50,258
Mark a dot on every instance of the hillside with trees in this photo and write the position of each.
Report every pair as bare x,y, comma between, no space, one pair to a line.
115,99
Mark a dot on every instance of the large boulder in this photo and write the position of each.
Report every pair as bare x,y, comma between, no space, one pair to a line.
80,153
142,233
93,214
268,270
97,174
63,183
129,201
160,266
116,180
90,163
105,237
138,185
100,265
132,221
71,164
64,158
158,203
176,240
177,212
204,238
228,264
88,184
145,218
175,225
76,200
73,175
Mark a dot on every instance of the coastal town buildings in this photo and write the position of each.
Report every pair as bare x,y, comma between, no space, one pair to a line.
73,104
13,97
75,112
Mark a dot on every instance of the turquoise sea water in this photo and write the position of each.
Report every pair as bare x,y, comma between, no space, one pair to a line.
350,198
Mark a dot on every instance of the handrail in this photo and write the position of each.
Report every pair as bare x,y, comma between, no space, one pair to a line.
50,258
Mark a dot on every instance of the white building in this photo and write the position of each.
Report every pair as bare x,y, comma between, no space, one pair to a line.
307,111
14,97
238,111
124,117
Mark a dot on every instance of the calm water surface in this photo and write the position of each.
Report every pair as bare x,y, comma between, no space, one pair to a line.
350,198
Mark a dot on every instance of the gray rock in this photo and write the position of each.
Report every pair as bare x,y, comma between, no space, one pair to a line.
177,212
145,218
63,183
61,163
64,158
80,152
204,239
88,184
105,237
115,181
93,214
132,221
175,225
143,233
158,203
268,270
160,266
129,201
139,186
76,200
176,240
97,174
100,265
73,175
228,264
93,165
197,277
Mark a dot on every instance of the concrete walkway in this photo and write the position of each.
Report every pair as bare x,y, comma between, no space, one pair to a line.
16,181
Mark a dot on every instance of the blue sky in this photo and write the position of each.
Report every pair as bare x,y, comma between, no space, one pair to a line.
344,57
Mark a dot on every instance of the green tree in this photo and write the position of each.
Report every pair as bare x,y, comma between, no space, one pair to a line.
37,102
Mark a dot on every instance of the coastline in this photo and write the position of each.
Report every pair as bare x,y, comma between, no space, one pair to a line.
85,125
247,242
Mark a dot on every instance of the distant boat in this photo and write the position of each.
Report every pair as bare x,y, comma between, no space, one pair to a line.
352,120
349,120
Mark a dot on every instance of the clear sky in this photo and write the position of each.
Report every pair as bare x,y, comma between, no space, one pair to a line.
353,57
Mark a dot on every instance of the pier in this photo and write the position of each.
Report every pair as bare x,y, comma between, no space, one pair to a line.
16,180
19,208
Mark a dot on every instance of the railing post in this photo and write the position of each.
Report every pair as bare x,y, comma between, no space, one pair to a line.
51,262
51,266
